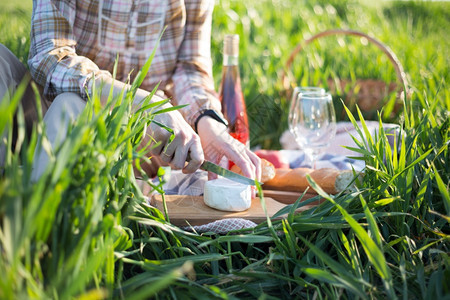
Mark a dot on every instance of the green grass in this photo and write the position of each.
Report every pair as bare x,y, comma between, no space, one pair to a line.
270,30
15,20
83,230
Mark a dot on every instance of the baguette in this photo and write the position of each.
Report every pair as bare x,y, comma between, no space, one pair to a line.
267,170
332,181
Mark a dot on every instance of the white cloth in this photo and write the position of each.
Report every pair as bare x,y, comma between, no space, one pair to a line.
298,159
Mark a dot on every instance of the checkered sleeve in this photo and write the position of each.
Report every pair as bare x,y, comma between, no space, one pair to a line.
53,61
193,81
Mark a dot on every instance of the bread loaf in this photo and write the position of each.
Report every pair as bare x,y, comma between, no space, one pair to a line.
332,181
267,170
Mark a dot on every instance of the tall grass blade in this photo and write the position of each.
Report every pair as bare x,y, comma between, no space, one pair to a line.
374,253
344,278
443,189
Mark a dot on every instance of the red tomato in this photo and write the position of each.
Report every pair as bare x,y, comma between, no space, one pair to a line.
275,157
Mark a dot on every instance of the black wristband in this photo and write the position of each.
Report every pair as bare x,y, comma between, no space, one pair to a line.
211,113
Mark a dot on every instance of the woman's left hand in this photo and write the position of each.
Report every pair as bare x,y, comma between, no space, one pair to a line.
217,143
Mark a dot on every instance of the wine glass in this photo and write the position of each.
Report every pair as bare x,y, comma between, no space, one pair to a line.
313,122
298,90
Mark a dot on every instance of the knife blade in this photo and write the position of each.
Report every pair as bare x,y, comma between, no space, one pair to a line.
212,167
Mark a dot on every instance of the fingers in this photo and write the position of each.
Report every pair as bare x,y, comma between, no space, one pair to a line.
247,161
217,142
256,161
196,157
219,160
181,150
173,147
167,155
212,176
247,167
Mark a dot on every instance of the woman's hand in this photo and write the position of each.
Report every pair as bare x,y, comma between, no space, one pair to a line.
185,146
217,143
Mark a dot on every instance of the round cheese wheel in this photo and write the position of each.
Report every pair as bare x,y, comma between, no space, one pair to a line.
227,195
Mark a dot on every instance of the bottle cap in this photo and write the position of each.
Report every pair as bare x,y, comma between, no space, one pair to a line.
231,45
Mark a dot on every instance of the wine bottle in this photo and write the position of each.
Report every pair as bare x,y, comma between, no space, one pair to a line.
230,91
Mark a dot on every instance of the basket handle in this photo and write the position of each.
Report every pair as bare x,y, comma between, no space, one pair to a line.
390,54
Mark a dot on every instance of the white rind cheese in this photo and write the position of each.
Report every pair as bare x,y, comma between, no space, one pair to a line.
227,195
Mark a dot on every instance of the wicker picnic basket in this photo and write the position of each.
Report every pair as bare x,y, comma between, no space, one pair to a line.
370,94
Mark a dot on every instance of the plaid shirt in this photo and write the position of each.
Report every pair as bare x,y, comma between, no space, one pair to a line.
72,40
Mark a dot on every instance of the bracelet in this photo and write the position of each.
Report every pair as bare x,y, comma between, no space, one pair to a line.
211,113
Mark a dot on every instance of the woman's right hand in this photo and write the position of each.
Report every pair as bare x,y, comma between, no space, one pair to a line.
185,146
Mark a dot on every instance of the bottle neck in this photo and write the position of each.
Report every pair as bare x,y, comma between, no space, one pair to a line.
230,60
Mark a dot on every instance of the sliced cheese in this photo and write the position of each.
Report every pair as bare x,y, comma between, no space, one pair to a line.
227,195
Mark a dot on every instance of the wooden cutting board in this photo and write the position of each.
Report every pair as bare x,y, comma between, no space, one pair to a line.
290,197
184,210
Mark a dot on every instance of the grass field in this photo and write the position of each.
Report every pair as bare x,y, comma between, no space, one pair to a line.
82,231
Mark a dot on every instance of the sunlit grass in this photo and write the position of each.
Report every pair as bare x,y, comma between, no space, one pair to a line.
270,30
85,230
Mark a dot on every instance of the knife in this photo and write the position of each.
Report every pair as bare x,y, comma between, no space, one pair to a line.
212,167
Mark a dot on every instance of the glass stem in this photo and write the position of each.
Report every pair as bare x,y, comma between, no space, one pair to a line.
312,154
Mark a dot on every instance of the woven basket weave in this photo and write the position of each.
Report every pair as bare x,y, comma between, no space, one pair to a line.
371,93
